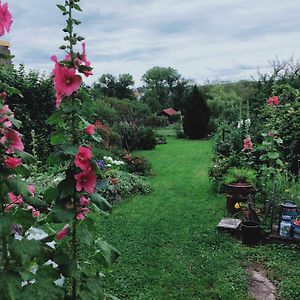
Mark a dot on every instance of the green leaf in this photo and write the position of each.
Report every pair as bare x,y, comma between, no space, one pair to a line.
84,232
58,138
18,186
105,254
67,107
44,287
15,122
26,157
61,7
66,265
54,119
6,223
51,194
23,170
77,7
273,155
24,217
67,187
55,159
101,202
96,138
10,285
60,214
77,22
92,288
25,251
69,149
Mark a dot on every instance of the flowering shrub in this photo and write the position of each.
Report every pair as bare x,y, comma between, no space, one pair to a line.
137,165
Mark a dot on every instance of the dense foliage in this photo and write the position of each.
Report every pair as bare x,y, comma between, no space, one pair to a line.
35,104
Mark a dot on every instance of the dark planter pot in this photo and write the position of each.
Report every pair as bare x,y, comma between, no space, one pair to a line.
251,234
237,192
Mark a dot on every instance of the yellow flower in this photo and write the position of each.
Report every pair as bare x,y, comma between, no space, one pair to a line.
237,206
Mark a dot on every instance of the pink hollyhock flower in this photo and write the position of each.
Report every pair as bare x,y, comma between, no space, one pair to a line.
12,162
86,181
90,130
248,143
270,133
5,112
273,101
83,158
31,189
63,233
66,82
12,140
82,213
5,19
35,212
84,201
14,201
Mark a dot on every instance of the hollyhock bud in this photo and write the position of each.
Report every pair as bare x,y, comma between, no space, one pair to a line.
83,158
5,19
84,201
81,215
35,212
63,233
12,162
31,189
90,130
3,95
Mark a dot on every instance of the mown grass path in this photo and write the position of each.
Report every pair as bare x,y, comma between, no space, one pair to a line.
169,243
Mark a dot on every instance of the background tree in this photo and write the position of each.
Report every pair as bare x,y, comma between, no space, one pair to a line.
161,87
196,115
111,86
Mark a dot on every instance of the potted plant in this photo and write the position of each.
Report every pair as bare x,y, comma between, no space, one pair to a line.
250,227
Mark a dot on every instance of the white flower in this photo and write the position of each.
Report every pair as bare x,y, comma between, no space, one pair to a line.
240,124
247,122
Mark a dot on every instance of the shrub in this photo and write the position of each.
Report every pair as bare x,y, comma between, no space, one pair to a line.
146,138
123,184
179,131
156,121
160,139
137,165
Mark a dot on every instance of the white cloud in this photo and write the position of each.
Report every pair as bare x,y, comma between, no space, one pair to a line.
204,39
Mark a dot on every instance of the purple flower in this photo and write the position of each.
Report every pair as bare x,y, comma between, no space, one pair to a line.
101,164
16,229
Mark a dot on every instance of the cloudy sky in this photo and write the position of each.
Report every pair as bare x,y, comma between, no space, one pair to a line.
202,39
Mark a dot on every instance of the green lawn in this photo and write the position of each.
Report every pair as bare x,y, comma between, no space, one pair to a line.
169,243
